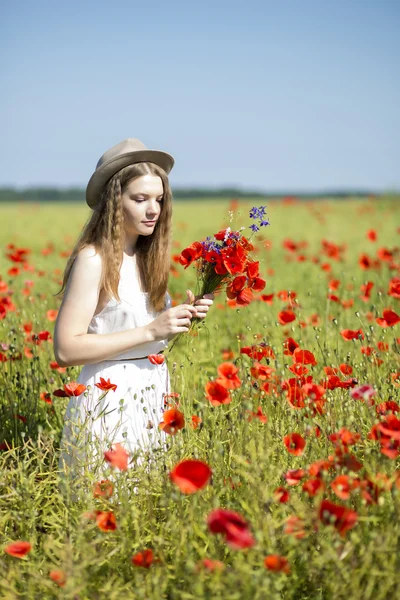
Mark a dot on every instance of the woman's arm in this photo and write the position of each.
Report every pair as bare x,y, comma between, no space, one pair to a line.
72,344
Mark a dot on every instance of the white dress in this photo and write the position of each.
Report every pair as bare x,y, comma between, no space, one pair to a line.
130,414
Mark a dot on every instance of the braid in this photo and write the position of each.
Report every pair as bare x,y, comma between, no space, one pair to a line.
115,229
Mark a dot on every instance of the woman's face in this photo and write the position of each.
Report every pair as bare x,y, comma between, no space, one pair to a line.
141,203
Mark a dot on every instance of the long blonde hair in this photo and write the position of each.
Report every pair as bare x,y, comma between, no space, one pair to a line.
105,231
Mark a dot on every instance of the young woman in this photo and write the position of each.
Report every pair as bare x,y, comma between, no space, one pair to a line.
116,311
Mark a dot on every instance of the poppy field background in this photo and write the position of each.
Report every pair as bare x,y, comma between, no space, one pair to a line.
282,476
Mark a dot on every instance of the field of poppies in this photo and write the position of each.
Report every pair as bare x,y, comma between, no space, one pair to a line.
281,479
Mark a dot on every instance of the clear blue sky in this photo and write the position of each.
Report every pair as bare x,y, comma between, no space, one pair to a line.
270,95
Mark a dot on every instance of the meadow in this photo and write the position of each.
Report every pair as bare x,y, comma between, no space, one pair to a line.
293,491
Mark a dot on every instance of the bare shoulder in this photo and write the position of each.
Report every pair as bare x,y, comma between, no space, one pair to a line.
89,254
81,295
86,271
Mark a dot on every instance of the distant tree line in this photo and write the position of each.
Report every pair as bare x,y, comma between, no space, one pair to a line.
74,194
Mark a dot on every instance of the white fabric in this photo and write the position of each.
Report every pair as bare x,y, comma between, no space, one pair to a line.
130,414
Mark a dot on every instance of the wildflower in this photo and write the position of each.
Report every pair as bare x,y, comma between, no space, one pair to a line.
390,318
18,549
363,392
58,576
190,475
217,393
294,443
228,377
173,421
106,385
106,521
342,518
233,526
70,389
117,457
275,562
143,559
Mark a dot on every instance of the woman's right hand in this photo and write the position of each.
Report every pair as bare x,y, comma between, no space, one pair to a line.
171,322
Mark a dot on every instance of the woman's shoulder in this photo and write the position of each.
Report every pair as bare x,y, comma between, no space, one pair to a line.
88,259
89,254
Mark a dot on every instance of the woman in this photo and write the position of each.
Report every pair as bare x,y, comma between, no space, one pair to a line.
116,311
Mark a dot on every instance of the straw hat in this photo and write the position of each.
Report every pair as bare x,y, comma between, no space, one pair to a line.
125,153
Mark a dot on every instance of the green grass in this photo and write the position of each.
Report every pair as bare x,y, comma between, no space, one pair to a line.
247,458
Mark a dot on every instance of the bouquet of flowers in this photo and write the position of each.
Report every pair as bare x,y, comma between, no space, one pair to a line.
224,261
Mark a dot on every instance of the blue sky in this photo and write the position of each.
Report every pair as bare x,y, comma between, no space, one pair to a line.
269,95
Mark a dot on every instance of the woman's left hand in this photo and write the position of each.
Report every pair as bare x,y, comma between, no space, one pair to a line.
202,304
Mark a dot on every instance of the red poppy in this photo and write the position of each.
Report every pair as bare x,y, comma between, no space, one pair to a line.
298,369
258,415
46,397
286,316
103,489
233,526
106,385
217,393
173,421
262,372
304,357
390,427
221,234
313,486
228,376
317,468
294,526
156,359
267,298
210,564
70,389
281,495
117,457
234,259
370,491
383,346
58,576
290,346
236,286
106,521
190,475
390,406
195,421
333,298
345,437
294,443
190,254
366,289
342,485
275,562
350,334
372,235
342,518
143,559
227,354
390,318
395,379
18,549
257,284
294,476
236,291
365,262
394,288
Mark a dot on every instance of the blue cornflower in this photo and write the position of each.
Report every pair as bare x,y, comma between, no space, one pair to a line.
254,227
264,223
257,213
254,213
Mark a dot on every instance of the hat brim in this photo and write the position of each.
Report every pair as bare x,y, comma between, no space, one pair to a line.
108,169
